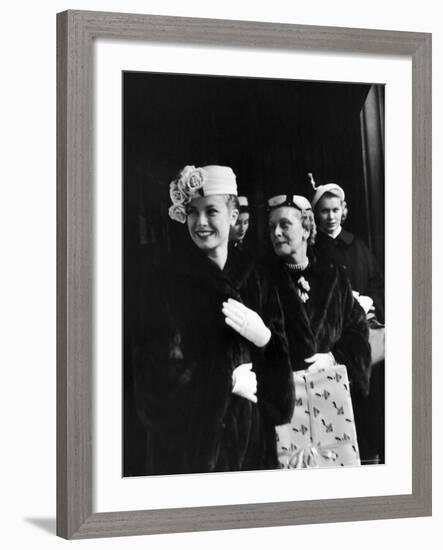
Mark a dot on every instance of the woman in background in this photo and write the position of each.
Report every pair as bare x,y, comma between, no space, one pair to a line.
241,226
335,244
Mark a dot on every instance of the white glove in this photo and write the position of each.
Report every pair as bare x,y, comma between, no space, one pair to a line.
246,322
366,302
320,361
245,382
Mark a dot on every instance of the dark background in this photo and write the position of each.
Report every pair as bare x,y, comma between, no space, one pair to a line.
271,133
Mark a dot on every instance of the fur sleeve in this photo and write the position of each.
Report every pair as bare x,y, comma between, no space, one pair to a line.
275,383
353,349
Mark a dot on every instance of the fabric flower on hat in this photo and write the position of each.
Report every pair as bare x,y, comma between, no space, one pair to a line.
177,195
182,190
177,212
183,176
197,179
191,179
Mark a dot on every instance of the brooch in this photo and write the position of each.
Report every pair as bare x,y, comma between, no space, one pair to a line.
303,289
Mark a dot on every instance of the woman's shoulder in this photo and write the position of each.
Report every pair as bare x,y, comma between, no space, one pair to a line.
354,242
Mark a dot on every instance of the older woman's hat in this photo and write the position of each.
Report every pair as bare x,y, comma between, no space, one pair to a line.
295,201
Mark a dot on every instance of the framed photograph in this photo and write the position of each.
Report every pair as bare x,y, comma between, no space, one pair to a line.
148,104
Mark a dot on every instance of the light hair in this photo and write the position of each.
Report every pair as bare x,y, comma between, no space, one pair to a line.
232,202
308,223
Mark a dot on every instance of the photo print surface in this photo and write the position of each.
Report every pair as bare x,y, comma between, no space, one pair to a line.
253,262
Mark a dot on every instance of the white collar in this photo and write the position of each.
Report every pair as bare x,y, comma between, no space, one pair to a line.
336,233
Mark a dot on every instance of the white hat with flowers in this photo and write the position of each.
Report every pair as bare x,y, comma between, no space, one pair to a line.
194,182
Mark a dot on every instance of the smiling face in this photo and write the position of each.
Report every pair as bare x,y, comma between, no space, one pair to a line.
329,214
288,236
209,220
240,228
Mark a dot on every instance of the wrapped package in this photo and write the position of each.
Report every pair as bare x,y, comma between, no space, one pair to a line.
322,430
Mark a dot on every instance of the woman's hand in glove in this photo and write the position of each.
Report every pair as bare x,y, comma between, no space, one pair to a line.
245,382
320,361
366,302
246,322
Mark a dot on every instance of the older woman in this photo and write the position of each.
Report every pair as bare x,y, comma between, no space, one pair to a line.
214,377
324,324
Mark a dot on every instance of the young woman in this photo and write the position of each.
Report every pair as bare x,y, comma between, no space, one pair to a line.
336,244
213,378
241,226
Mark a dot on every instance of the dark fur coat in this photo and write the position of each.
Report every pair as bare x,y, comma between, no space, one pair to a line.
352,253
183,372
331,320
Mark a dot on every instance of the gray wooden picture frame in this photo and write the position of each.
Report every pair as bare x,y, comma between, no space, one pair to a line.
76,32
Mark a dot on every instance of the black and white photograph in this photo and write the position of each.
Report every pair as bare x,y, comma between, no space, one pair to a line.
221,266
253,274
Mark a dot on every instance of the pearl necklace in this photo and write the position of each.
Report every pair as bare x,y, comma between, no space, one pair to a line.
298,267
